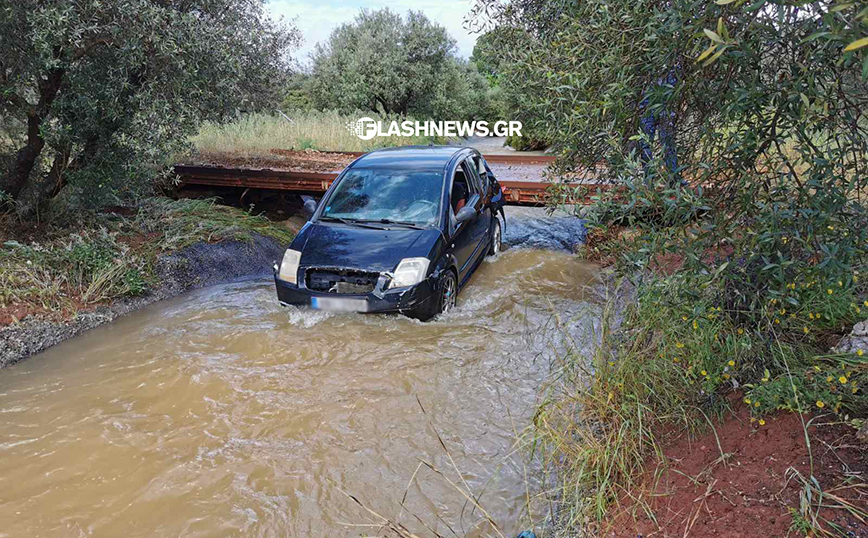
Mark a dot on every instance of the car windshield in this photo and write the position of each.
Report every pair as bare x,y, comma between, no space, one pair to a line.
387,195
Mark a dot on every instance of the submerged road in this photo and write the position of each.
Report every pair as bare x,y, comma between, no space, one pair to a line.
220,413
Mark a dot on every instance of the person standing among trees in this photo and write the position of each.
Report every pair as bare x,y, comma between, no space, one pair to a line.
659,121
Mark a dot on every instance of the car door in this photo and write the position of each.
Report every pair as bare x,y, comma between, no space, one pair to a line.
482,222
462,234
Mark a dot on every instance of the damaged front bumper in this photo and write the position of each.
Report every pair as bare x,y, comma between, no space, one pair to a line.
415,301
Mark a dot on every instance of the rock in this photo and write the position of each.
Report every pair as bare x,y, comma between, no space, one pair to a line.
295,222
862,434
856,340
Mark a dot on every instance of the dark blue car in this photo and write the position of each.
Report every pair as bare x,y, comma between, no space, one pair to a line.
400,230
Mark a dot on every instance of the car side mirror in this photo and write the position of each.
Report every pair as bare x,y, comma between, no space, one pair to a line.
309,206
465,213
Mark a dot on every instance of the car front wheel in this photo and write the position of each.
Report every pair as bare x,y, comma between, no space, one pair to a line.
448,292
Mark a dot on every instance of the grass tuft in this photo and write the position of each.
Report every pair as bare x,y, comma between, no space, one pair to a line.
258,134
110,256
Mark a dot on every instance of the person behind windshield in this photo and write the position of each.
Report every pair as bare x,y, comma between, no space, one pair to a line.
380,194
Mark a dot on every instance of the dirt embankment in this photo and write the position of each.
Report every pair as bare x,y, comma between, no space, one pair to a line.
199,265
750,479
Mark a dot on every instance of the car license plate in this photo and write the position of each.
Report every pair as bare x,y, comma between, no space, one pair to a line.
339,305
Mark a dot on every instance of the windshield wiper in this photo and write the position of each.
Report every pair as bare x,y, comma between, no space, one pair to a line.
350,222
399,223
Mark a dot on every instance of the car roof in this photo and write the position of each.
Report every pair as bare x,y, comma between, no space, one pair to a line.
418,157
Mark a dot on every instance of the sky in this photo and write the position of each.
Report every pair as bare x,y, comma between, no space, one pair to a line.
317,18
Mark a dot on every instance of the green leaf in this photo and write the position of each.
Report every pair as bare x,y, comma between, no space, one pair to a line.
724,33
840,7
706,52
715,57
713,36
815,35
858,44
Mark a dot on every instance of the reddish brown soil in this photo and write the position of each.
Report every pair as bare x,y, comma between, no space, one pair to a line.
749,491
18,311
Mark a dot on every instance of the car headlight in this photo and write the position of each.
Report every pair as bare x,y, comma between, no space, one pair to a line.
410,271
289,266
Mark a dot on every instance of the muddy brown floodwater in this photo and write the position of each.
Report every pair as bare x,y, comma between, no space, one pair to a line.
220,413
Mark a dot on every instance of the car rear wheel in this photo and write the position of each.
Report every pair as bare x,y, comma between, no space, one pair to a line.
496,239
448,292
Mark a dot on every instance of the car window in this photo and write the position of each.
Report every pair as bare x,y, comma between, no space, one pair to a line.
460,190
391,194
473,176
482,168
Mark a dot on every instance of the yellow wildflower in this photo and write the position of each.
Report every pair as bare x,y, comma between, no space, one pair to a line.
747,401
762,422
756,404
805,329
740,330
829,379
695,325
829,291
726,376
679,345
731,363
859,352
820,404
843,380
703,372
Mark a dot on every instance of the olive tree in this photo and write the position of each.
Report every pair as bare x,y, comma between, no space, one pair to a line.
768,103
95,95
392,64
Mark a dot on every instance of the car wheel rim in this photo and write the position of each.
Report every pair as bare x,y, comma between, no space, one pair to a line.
497,239
448,293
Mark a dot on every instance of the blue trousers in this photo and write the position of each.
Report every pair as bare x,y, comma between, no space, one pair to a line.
664,123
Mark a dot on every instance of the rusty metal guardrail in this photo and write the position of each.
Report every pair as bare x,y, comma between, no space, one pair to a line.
528,193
